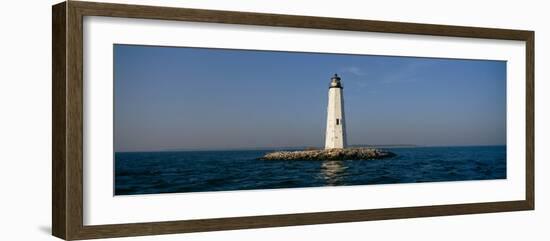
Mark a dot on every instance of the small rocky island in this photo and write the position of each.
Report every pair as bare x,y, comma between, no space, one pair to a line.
359,153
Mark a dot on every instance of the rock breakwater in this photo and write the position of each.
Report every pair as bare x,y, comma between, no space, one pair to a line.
330,154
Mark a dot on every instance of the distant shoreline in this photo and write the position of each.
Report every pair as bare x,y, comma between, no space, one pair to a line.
301,148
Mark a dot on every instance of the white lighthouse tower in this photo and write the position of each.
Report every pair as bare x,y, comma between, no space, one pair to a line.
336,125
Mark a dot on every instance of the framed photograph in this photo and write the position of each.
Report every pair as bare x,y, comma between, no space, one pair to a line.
171,120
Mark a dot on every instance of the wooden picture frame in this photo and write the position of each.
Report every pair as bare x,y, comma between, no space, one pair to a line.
67,149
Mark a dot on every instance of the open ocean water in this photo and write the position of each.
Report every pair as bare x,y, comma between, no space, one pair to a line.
199,171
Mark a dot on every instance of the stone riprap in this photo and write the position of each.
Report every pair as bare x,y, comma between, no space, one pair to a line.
330,154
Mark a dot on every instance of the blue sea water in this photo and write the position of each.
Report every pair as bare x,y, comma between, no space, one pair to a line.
199,171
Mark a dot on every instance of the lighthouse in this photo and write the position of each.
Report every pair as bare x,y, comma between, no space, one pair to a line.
336,125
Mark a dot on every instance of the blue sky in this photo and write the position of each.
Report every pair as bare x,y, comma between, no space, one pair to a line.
196,98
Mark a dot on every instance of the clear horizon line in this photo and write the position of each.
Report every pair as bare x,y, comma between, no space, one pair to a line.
296,147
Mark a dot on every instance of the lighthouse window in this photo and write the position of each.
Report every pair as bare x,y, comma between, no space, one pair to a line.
337,121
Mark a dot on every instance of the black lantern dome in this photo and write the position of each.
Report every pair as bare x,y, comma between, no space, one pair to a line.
335,82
